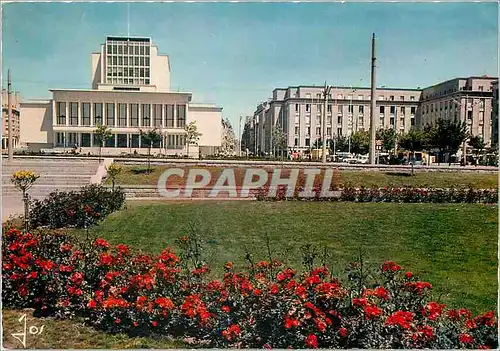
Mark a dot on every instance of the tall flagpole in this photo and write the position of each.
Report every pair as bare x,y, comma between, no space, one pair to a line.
373,124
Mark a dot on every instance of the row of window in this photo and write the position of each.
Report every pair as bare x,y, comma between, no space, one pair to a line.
128,61
118,115
135,81
128,49
66,139
361,109
445,105
360,97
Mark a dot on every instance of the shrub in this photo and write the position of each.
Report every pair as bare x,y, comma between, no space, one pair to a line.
79,209
270,306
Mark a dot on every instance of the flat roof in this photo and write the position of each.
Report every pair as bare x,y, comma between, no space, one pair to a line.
346,87
122,91
128,38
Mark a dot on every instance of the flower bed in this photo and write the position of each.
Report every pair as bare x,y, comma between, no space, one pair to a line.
270,306
387,194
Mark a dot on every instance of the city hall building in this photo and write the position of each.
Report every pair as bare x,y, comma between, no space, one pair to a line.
130,93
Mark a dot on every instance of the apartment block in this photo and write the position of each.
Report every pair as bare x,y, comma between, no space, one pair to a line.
297,112
465,99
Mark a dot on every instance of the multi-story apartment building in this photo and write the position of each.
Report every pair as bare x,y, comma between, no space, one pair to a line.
494,115
15,113
464,99
130,92
297,111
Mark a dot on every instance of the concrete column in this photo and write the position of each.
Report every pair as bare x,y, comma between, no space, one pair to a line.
91,115
79,113
139,114
175,115
116,113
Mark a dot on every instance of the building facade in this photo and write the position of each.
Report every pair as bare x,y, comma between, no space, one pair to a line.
297,111
494,113
468,100
130,93
15,113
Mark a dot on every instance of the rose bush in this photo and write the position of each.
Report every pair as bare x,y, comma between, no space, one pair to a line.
389,194
268,306
79,209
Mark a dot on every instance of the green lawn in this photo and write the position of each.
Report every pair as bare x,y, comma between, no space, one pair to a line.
353,178
71,334
452,246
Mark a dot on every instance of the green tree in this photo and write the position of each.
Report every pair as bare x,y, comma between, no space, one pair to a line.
279,140
412,141
388,138
447,136
477,144
150,138
192,135
102,134
341,144
360,142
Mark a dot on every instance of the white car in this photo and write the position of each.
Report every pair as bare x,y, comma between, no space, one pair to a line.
362,159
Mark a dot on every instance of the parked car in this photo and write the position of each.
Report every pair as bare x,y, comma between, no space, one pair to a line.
363,159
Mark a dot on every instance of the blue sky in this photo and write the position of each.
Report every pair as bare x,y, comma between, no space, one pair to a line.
234,55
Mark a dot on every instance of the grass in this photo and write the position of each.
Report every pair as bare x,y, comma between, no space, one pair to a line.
452,246
130,176
71,334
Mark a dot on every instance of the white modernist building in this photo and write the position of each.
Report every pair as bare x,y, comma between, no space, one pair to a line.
130,92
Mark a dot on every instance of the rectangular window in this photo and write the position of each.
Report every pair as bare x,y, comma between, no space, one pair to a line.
340,108
157,115
134,140
391,121
329,131
98,114
329,108
121,140
382,121
308,142
296,142
110,115
85,139
402,98
412,98
339,131
296,130
318,130
308,108
413,110
480,88
170,116
469,115
393,110
412,121
339,120
110,142
181,116
351,108
308,131
146,114
72,139
86,113
60,139
391,97
134,115
308,120
61,113
382,109
122,115
361,109
73,113
403,110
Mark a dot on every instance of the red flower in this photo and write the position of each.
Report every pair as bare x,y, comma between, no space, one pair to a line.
433,310
77,278
409,275
275,289
228,265
65,247
123,249
291,322
92,304
106,259
401,318
390,266
164,302
101,243
343,332
74,291
22,290
154,323
32,275
267,346
312,341
361,302
426,333
45,264
135,324
320,325
117,321
63,268
226,309
231,332
465,338
372,312
381,293
417,287
488,319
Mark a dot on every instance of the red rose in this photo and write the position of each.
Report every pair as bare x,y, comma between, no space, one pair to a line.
226,309
154,323
372,312
361,302
343,332
101,243
409,275
312,341
390,266
401,318
117,321
275,289
33,275
106,259
92,304
465,338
